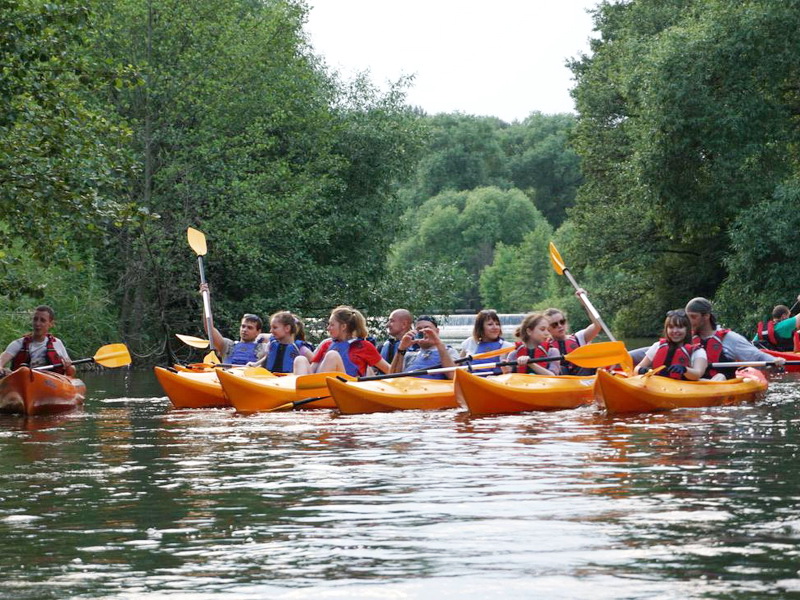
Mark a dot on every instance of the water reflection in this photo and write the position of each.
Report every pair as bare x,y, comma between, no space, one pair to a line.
130,498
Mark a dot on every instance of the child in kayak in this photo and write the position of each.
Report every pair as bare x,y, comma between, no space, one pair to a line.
487,335
283,346
346,350
675,351
533,334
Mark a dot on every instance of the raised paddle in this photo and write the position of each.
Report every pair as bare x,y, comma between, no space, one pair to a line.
197,241
110,355
194,342
561,269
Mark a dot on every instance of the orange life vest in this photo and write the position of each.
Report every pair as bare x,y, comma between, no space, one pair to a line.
538,352
23,357
671,354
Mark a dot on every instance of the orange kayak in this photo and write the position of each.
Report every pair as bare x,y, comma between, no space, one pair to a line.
384,395
646,393
518,392
261,392
30,392
191,388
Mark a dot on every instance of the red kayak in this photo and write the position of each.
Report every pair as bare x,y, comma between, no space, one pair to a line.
787,356
30,392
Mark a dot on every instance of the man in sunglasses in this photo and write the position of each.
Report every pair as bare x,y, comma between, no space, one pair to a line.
721,344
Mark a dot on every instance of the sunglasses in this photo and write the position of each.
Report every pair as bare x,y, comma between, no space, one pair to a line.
676,313
558,323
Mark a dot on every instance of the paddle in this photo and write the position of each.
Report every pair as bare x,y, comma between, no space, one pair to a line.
190,340
752,363
197,241
317,380
591,356
110,355
561,269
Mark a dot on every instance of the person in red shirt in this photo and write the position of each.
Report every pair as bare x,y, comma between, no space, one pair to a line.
346,350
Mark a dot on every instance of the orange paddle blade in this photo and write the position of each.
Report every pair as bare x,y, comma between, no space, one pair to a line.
602,354
556,260
113,355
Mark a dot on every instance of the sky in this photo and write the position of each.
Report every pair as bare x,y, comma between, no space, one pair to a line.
502,58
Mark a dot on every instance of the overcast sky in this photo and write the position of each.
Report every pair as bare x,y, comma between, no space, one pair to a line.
504,58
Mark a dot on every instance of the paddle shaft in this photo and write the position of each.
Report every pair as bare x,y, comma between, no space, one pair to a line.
206,305
752,363
80,361
588,305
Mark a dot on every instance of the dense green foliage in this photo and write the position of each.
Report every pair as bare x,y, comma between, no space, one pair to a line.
687,130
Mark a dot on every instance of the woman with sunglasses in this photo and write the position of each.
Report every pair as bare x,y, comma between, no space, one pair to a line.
675,351
565,342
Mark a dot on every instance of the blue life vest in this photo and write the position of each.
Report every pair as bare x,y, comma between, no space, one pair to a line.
280,357
343,348
426,359
488,347
243,353
388,349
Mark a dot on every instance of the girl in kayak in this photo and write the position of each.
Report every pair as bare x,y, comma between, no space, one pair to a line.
564,342
675,352
346,350
487,335
283,345
533,334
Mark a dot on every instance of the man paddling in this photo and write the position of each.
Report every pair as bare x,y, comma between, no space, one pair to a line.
782,332
400,322
38,348
432,350
248,349
722,345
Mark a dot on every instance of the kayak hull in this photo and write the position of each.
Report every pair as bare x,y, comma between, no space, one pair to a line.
644,393
258,393
386,395
787,356
191,388
517,392
30,392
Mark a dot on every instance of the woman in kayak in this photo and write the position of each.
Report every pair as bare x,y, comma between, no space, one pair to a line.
675,352
283,345
346,350
533,334
487,335
564,342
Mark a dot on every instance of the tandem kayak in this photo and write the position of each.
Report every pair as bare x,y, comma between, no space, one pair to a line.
30,392
249,392
191,388
646,393
385,395
518,392
787,356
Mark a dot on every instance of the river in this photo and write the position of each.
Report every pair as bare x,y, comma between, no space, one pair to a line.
129,498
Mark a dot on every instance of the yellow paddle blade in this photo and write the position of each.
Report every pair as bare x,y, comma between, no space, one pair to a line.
113,355
211,357
197,240
556,260
190,340
287,406
492,353
318,380
257,372
602,354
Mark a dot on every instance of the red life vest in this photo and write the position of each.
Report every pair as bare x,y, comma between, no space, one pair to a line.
713,348
24,356
768,338
538,352
681,355
565,346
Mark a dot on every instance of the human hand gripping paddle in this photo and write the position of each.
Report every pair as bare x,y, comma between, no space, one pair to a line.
110,355
197,241
561,269
590,356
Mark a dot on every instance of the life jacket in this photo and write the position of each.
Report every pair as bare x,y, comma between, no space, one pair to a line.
768,339
538,352
488,347
389,349
714,351
343,348
23,357
243,353
565,346
426,359
668,355
280,357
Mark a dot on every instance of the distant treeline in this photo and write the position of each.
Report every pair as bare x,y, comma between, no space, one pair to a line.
125,121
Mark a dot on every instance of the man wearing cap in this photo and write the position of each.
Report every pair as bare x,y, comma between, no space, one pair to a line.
721,345
432,352
400,322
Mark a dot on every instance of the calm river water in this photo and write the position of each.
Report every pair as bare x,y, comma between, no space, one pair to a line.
130,498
